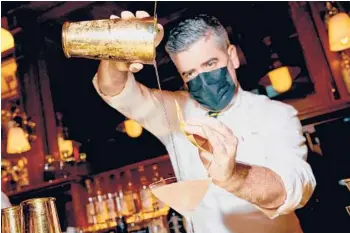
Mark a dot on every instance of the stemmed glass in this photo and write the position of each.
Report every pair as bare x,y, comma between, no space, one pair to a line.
182,196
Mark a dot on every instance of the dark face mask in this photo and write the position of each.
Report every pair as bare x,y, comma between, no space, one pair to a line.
214,90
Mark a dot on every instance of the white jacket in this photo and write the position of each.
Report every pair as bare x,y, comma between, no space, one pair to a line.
269,133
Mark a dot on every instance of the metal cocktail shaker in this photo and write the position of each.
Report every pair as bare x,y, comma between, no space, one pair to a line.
40,216
11,220
125,40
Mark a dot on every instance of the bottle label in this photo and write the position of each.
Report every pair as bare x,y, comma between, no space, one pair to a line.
102,211
129,205
111,209
90,212
146,200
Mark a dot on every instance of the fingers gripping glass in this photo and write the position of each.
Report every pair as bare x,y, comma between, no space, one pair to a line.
195,140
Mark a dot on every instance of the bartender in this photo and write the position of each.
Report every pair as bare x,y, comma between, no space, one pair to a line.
257,151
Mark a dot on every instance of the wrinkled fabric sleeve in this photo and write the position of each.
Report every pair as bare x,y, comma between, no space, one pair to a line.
146,106
282,149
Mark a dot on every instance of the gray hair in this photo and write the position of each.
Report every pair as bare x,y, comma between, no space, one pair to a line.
191,30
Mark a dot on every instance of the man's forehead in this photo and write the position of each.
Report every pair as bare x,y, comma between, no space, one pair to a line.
208,36
197,54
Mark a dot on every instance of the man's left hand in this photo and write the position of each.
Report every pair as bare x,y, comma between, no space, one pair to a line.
220,141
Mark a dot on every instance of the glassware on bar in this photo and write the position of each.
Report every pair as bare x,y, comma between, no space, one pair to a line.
11,220
40,216
182,196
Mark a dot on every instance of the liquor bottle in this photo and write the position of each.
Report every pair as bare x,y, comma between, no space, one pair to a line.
159,206
129,196
133,183
100,204
145,192
120,202
49,168
175,222
111,205
90,206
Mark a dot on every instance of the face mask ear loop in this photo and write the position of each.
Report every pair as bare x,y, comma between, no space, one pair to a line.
236,79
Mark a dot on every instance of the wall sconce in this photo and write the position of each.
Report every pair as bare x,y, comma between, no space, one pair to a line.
7,41
339,39
133,128
281,79
17,140
19,130
339,32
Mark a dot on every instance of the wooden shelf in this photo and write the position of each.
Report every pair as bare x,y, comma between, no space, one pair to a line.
32,189
71,194
63,181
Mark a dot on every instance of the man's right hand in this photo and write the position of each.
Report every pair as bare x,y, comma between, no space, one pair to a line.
112,75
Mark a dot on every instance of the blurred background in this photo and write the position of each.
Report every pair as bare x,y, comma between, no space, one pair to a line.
57,132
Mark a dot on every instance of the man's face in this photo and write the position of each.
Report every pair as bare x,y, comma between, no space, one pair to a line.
203,56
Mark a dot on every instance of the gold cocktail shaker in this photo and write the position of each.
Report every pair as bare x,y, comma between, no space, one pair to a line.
11,220
40,216
125,40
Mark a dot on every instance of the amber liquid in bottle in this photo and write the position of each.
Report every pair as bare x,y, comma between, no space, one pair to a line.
145,192
101,203
90,206
111,205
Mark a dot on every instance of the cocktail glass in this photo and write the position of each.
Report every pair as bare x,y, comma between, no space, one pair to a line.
182,196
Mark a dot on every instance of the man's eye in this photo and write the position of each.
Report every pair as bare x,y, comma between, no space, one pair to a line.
209,64
189,75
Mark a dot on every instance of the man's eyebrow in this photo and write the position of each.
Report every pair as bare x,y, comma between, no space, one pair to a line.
209,60
204,63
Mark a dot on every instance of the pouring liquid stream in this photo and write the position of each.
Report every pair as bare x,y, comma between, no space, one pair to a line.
180,177
168,121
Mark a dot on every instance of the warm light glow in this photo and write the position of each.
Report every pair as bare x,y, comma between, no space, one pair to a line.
281,79
132,128
65,146
7,41
9,83
17,141
339,32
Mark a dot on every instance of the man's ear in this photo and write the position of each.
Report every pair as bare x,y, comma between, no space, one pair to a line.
232,54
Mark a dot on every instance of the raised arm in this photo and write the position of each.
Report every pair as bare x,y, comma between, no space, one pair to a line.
116,84
144,105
